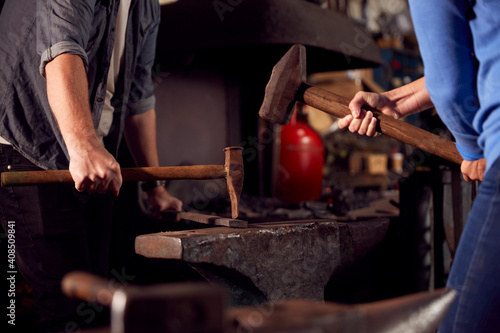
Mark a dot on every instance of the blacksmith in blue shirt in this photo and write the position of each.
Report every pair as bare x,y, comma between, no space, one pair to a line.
460,46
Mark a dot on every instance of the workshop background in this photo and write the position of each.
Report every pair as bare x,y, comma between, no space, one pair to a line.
214,59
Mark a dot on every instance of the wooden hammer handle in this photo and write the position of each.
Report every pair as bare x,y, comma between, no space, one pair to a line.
89,287
17,178
339,106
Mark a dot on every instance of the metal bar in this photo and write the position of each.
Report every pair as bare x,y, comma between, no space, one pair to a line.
213,220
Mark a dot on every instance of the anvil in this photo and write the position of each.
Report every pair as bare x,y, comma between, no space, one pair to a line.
283,260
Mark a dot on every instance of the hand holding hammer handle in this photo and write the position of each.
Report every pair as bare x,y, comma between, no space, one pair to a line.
339,106
287,85
129,175
232,170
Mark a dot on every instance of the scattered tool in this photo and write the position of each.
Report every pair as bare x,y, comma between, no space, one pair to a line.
287,86
232,170
417,313
186,307
200,308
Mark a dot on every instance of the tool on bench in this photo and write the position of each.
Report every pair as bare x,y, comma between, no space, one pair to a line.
232,170
201,308
186,307
287,86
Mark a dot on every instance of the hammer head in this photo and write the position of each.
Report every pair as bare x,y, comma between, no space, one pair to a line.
286,78
234,176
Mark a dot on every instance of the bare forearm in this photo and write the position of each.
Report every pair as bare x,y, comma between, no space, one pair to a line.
67,90
400,102
410,98
140,134
91,166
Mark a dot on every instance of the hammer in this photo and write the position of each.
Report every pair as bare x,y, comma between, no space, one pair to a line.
189,307
232,170
287,86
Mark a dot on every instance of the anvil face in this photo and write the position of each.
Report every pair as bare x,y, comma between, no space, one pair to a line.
289,259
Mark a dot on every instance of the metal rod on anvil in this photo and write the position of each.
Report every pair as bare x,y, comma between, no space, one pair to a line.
207,219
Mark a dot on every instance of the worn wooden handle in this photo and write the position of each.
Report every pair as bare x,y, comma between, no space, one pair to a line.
89,287
17,178
339,106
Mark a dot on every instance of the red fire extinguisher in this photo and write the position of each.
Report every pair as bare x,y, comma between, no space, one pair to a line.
301,161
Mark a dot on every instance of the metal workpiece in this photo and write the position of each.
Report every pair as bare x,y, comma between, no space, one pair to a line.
284,260
212,220
416,313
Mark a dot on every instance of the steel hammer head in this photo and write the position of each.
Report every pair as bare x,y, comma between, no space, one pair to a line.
234,176
286,79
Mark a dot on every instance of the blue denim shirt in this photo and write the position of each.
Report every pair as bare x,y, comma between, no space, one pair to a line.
32,33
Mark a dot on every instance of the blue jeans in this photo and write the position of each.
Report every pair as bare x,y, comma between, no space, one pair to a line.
459,42
475,272
57,230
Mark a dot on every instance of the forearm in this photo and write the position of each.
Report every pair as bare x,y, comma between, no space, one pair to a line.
140,134
92,167
410,98
67,90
